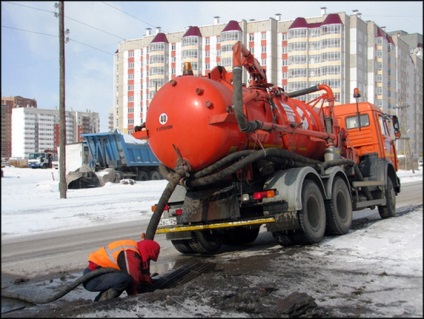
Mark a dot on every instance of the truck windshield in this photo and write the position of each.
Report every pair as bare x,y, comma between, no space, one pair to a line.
34,155
352,121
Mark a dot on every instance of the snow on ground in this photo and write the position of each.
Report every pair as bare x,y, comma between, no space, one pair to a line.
31,203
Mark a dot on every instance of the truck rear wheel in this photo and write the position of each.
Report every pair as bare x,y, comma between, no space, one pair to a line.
388,210
155,175
339,209
285,238
142,176
206,241
241,235
312,218
183,246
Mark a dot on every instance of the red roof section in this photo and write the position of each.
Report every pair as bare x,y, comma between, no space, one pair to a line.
332,18
232,26
382,34
160,37
193,31
299,23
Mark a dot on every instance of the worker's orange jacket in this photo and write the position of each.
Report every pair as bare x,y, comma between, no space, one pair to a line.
107,256
129,256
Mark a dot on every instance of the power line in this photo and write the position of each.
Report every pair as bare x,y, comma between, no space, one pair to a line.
69,18
128,14
90,46
95,28
48,35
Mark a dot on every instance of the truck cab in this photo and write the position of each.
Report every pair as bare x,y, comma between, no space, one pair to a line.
39,160
370,131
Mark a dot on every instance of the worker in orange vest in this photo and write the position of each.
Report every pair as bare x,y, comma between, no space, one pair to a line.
131,259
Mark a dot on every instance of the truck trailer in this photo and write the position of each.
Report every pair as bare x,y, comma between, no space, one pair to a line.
131,158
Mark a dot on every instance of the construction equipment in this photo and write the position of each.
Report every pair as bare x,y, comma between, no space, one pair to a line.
129,157
240,156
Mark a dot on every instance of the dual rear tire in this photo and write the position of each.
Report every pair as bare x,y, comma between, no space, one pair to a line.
318,217
210,241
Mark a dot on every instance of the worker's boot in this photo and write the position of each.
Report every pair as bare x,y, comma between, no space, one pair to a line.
107,295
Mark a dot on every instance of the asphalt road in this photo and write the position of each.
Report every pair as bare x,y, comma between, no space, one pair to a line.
36,255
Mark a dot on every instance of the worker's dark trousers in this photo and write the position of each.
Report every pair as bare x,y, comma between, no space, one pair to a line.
118,280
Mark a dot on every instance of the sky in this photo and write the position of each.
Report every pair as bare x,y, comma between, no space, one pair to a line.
31,204
30,41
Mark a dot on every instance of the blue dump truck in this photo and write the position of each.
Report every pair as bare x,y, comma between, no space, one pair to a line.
129,157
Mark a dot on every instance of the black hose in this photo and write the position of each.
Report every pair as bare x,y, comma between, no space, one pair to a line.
263,153
173,179
60,293
244,125
223,161
165,172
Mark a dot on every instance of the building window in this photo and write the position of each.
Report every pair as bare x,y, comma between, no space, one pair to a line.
193,40
157,47
231,36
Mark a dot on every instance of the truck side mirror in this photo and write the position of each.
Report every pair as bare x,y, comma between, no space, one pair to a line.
396,126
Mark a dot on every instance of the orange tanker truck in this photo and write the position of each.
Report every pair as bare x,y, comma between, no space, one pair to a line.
238,156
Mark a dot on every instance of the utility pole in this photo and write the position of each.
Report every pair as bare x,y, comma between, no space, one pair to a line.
62,114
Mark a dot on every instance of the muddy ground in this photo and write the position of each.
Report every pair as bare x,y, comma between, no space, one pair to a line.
274,282
249,288
258,280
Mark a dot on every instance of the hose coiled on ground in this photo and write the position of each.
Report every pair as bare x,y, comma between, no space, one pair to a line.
60,293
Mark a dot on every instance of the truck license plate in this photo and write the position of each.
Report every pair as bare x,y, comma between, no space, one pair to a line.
168,222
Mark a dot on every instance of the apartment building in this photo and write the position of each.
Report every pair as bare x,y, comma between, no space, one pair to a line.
35,130
340,50
7,104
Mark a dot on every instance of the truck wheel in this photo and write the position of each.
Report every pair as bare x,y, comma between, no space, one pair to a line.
312,218
388,210
339,209
142,176
183,246
285,239
206,241
241,235
155,175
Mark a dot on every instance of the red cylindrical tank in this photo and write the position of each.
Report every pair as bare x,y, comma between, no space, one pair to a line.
196,116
